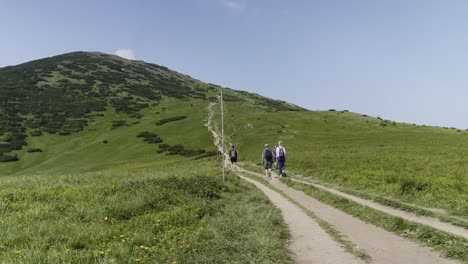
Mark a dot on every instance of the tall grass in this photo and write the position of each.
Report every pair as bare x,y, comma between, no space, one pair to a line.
142,215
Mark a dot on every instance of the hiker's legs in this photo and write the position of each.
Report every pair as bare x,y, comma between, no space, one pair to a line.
281,166
268,169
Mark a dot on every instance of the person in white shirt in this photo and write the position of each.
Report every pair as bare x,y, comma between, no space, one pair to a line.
281,158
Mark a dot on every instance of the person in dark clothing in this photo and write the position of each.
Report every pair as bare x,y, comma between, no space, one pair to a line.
233,157
267,159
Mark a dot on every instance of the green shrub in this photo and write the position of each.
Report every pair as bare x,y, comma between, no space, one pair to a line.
150,138
179,149
119,123
64,133
35,133
31,150
170,119
8,158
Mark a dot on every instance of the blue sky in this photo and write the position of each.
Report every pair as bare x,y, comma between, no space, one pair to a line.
401,60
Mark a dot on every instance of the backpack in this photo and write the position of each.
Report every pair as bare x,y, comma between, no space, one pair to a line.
281,152
233,153
268,155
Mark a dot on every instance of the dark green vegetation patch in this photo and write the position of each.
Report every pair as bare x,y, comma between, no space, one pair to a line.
170,119
150,138
32,150
179,149
119,123
8,158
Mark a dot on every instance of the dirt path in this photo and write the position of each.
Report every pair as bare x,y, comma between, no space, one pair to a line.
307,241
425,220
382,246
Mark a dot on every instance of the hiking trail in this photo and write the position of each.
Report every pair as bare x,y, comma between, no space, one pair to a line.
309,243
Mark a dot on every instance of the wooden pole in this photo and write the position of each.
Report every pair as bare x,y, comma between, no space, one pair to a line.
222,137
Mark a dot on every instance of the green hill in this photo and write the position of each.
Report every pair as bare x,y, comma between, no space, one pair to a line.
83,111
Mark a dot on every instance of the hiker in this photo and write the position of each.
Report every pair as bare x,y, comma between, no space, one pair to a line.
281,157
233,156
267,159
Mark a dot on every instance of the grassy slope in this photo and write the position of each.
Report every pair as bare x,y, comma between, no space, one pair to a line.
425,165
80,186
84,151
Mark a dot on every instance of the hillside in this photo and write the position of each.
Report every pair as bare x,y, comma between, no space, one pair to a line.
362,154
84,110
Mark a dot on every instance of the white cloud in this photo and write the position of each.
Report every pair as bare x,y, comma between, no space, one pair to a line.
125,53
234,5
